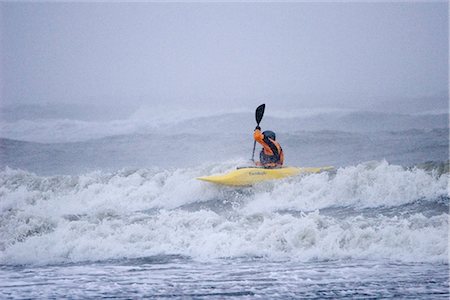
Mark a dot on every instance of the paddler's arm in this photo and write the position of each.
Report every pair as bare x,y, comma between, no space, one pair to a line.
259,137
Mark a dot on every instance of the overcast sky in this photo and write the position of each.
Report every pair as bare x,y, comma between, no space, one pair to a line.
194,53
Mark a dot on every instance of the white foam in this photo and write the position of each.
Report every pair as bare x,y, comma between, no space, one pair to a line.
369,184
205,235
135,213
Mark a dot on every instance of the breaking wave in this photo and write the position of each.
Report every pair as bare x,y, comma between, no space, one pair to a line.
371,210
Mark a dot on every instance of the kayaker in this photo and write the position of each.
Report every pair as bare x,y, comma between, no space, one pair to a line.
271,155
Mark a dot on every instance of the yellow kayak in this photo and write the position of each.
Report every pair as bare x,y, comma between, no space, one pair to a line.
250,175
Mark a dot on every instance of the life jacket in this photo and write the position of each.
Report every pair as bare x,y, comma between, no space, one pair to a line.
272,154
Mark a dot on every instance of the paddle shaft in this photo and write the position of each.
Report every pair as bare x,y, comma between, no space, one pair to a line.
253,154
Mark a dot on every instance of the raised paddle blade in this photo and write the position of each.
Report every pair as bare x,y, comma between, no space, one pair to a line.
259,113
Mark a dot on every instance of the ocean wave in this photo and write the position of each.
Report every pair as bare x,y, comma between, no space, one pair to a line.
208,235
370,184
66,130
142,212
207,122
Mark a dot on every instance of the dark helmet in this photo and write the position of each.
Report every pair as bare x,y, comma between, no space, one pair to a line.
269,134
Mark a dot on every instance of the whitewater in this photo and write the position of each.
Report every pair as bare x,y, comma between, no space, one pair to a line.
111,208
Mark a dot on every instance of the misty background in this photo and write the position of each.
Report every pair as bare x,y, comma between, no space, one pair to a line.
364,55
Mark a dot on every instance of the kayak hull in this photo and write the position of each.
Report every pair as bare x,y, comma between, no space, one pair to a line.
248,176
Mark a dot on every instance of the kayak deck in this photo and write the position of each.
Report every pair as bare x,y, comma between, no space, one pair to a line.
246,176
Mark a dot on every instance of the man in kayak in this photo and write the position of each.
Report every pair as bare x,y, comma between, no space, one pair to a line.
271,155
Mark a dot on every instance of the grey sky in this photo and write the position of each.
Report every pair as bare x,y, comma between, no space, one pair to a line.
216,52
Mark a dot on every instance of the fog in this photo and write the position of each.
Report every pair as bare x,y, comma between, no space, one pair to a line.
234,55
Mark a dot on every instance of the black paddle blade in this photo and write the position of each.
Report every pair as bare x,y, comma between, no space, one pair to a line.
259,113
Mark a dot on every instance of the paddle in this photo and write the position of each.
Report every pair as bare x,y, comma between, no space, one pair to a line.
259,113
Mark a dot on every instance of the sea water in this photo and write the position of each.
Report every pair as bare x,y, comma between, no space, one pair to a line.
94,209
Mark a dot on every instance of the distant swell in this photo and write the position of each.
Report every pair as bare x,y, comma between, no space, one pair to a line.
371,210
166,122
